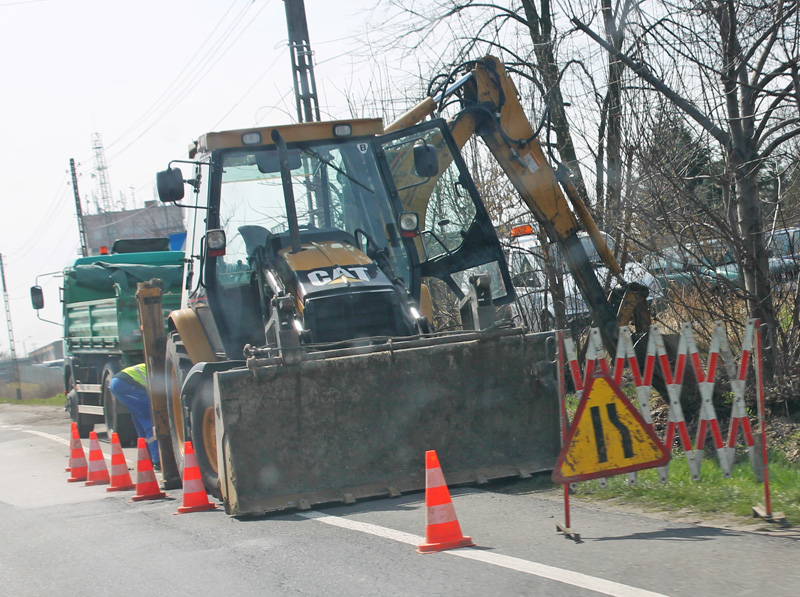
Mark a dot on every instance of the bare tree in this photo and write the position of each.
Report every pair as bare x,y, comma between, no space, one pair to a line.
736,72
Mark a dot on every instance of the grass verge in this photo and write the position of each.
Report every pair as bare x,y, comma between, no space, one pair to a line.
57,400
713,494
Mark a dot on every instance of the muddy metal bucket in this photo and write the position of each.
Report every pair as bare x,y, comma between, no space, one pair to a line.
347,424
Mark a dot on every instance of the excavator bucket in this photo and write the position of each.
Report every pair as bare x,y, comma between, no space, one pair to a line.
353,423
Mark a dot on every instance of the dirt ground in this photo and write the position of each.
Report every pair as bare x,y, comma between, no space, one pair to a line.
24,414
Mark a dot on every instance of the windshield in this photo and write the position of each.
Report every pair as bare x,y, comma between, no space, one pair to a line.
336,187
445,209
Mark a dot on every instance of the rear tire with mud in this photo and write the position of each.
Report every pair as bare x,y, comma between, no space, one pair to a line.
177,365
204,436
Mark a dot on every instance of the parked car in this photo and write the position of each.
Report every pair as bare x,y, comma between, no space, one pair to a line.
783,249
534,304
674,267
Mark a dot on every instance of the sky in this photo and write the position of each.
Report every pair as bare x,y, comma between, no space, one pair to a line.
149,77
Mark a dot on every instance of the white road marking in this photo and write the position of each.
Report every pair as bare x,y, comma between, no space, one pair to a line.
55,438
576,579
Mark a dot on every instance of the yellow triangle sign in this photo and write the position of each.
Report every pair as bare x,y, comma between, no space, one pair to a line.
608,436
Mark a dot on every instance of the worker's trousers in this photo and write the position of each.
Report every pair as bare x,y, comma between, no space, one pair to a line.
136,400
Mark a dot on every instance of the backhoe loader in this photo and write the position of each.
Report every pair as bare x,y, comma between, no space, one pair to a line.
303,364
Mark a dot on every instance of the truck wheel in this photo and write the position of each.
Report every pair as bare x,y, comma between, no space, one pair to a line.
118,419
83,428
204,437
176,366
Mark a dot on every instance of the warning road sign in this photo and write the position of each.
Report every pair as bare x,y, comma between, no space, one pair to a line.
608,436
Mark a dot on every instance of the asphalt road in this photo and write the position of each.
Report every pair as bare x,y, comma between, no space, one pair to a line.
66,539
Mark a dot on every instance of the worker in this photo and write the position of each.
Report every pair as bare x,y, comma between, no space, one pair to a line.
129,386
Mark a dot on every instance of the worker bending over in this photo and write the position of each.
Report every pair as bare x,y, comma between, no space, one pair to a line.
129,386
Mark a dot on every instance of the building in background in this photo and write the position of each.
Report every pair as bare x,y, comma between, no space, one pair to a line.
154,220
51,352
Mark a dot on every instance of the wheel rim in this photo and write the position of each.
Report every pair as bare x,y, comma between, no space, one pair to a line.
209,432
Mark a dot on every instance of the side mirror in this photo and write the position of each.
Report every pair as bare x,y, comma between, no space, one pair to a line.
170,185
426,161
37,297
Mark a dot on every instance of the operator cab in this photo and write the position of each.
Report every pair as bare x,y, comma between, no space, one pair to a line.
330,214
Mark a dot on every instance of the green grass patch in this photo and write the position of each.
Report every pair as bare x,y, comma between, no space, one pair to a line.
713,494
57,400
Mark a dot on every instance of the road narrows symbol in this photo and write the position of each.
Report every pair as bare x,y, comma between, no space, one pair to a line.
627,444
597,447
599,439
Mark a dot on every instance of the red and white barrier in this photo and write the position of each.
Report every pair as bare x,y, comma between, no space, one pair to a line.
687,354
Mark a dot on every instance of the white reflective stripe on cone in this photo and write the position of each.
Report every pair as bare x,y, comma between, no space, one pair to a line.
194,486
97,465
440,514
434,477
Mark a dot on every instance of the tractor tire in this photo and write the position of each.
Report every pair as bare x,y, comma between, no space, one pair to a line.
118,419
204,437
176,366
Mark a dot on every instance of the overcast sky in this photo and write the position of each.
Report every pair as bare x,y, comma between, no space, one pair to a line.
150,77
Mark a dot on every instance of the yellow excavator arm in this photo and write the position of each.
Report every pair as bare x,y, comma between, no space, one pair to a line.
491,109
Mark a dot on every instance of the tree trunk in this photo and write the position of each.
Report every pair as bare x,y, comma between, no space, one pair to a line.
755,267
540,29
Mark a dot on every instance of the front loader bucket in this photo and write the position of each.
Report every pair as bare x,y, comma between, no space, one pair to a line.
340,426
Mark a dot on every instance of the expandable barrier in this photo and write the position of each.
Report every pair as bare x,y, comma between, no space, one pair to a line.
687,353
674,377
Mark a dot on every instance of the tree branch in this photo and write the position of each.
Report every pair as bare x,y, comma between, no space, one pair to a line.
643,71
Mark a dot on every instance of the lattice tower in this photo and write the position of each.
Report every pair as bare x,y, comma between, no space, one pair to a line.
106,202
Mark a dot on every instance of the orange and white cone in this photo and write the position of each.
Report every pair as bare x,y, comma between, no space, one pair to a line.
194,492
120,477
146,484
442,530
98,471
77,460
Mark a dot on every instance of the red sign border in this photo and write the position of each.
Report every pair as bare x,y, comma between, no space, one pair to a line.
557,475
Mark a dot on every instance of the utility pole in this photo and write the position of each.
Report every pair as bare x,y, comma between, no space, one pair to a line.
305,86
10,331
78,210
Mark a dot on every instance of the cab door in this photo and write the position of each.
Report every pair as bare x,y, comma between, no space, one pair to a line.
457,236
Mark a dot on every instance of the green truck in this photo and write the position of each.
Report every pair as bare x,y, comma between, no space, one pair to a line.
101,325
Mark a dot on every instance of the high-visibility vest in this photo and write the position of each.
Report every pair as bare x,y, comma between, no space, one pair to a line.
138,373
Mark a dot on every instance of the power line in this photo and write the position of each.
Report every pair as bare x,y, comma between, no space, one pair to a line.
175,82
193,77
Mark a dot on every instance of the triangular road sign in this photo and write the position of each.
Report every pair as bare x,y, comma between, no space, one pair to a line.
608,436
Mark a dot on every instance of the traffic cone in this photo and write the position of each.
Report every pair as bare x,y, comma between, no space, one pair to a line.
120,477
77,459
442,530
72,431
194,492
98,471
146,484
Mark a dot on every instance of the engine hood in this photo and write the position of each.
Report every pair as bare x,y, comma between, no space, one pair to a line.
330,267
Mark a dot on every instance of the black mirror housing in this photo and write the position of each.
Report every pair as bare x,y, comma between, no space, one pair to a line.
426,161
37,297
170,185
